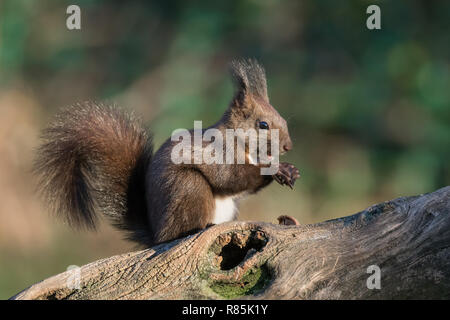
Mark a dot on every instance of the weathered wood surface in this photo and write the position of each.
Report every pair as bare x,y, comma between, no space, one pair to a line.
408,238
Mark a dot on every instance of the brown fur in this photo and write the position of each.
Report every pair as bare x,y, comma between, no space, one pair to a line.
93,160
97,159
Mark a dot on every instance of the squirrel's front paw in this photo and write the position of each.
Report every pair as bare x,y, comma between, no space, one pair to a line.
287,174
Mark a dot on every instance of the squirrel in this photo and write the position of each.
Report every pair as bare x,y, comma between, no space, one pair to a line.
98,159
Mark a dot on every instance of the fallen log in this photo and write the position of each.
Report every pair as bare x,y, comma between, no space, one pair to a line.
398,249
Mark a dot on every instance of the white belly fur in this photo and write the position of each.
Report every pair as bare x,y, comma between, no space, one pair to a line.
225,210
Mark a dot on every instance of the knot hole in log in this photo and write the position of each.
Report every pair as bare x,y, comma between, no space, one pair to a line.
238,266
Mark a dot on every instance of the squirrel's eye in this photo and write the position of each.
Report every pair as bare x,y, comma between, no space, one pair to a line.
263,125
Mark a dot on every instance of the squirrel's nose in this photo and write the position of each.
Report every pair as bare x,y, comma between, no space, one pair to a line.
287,146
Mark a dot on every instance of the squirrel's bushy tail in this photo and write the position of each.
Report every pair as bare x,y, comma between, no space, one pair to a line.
93,161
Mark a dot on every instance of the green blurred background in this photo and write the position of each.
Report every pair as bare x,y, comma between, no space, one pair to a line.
368,111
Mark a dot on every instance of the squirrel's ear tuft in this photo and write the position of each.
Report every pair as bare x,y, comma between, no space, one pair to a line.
249,78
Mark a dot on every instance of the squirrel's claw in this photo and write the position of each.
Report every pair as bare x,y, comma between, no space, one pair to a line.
287,174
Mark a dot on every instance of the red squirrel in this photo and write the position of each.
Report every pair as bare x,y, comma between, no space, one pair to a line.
97,159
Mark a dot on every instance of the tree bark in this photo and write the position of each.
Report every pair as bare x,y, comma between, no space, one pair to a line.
408,239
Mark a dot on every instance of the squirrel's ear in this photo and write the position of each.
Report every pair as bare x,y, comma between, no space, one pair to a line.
250,80
240,81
